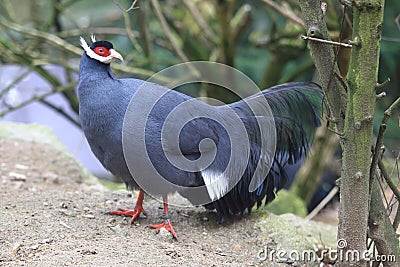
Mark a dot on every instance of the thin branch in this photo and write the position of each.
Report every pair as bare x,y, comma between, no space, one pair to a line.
97,30
199,19
325,41
391,185
143,32
61,7
390,110
167,31
129,9
397,21
127,22
13,83
241,21
63,45
323,203
61,112
170,37
10,9
390,39
380,85
45,60
379,140
284,12
56,89
224,10
48,37
396,221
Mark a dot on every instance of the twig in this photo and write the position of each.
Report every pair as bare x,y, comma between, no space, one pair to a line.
394,189
199,19
325,41
382,190
241,21
49,38
167,31
284,12
396,221
397,21
336,132
390,110
390,39
13,83
376,159
10,9
68,86
143,33
60,111
63,45
323,203
61,7
65,225
97,30
227,46
380,85
379,140
127,22
129,9
44,60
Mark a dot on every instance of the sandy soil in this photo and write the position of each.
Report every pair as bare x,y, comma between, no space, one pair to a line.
49,217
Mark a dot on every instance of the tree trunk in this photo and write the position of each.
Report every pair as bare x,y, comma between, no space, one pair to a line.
356,144
357,124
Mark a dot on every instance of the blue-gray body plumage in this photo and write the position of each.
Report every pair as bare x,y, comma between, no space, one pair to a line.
104,100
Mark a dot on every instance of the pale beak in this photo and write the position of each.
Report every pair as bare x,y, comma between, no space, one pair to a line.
115,54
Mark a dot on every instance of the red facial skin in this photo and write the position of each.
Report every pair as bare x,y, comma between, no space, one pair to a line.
102,51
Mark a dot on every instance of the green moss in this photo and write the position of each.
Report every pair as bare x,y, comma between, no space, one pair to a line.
292,236
285,202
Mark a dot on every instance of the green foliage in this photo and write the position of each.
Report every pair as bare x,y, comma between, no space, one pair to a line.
266,45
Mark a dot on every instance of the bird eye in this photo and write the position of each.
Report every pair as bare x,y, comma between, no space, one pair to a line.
102,51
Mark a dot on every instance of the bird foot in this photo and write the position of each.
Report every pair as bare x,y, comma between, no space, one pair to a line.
166,225
132,213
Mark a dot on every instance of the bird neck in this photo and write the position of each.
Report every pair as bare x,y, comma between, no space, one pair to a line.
92,69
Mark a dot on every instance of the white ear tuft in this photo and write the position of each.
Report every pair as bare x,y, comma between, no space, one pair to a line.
84,44
93,38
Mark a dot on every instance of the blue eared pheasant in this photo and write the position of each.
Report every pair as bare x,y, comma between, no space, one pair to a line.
104,100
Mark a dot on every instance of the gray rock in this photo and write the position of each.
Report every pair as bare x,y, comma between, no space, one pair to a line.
291,239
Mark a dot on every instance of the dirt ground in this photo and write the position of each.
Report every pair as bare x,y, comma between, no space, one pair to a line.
49,217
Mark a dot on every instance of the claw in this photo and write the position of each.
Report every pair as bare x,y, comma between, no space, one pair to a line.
166,225
132,213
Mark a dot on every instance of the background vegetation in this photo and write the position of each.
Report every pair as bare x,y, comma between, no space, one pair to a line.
249,35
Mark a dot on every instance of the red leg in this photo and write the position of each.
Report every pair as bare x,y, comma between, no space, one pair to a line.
135,212
167,223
